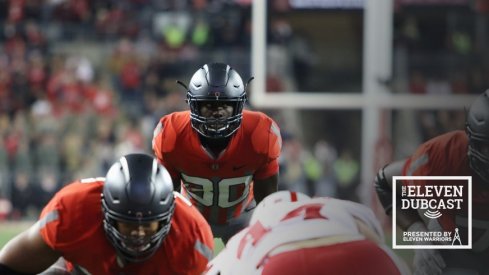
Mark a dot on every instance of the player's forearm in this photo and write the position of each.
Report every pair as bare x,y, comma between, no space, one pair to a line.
265,187
14,259
28,247
383,189
4,269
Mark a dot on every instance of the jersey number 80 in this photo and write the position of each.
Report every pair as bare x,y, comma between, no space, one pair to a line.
203,191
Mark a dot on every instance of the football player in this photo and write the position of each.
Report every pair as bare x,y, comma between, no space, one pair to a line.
130,222
290,233
221,157
456,153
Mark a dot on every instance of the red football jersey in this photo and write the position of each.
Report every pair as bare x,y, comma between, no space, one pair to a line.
221,188
446,155
72,224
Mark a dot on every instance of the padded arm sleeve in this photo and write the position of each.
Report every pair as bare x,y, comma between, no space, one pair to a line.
384,190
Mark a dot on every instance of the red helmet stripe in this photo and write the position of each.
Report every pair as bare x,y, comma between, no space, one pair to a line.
293,196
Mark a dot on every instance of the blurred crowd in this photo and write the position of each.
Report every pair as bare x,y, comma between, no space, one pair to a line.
66,115
441,53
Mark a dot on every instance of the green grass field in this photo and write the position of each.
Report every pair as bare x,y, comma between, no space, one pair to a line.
9,229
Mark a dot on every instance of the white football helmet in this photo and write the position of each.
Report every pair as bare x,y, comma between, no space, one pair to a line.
277,219
266,211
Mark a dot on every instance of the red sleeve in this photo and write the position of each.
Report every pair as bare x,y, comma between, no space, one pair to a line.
157,140
50,222
63,220
190,230
204,247
444,155
440,156
267,140
164,138
420,163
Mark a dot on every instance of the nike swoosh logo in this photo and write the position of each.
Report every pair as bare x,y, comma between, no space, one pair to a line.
238,167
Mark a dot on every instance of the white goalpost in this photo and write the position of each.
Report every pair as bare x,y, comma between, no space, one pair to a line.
374,98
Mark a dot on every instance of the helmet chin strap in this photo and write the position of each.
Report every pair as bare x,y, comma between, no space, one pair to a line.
121,262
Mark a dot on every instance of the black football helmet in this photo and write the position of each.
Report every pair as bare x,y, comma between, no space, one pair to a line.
137,190
216,82
477,128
